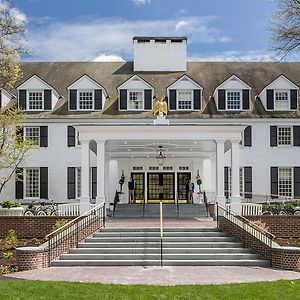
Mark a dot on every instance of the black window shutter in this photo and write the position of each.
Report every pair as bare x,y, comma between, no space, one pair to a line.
270,99
197,99
44,183
44,136
297,182
71,183
246,100
274,182
94,182
248,182
22,99
98,99
296,135
172,100
19,134
71,136
148,99
123,99
226,182
19,183
248,136
47,99
73,99
273,136
221,99
0,98
294,99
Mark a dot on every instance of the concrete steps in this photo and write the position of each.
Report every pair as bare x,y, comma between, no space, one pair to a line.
152,211
141,247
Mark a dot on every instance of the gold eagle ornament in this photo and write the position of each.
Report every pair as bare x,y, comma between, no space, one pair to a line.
160,107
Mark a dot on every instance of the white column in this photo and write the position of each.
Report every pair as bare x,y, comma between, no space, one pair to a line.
85,176
220,198
100,171
235,177
113,178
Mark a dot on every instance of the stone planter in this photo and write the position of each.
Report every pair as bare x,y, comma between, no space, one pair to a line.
13,211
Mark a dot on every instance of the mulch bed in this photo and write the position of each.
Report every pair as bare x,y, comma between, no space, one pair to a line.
288,242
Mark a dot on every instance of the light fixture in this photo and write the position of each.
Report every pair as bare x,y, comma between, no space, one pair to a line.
160,156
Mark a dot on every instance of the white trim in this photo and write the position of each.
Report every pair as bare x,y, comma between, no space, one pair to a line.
281,76
177,100
134,77
24,181
291,137
78,98
27,100
288,100
230,78
24,134
226,100
128,96
184,77
70,87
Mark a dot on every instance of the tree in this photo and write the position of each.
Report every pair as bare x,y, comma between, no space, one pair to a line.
12,145
12,33
285,27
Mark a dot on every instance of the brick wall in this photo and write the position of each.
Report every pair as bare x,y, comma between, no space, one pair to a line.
29,227
280,226
31,258
283,257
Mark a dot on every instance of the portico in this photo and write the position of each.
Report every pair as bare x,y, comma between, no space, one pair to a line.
115,147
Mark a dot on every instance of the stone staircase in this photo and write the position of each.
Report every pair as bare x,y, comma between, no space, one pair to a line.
125,211
141,247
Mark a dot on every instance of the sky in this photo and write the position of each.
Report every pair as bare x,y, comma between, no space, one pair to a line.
102,30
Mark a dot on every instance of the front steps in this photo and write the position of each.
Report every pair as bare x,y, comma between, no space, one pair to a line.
126,211
141,247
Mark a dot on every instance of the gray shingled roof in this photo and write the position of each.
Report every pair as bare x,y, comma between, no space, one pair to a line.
208,74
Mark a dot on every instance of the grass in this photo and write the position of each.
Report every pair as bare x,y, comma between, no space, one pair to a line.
44,290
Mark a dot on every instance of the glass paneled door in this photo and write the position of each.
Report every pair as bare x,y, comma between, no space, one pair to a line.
182,180
161,186
139,182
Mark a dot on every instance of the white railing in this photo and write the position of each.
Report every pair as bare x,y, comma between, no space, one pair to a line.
249,209
73,209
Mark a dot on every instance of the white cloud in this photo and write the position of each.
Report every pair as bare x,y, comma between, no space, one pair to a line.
108,57
141,2
236,56
82,40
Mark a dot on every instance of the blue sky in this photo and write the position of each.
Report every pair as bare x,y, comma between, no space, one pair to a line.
80,30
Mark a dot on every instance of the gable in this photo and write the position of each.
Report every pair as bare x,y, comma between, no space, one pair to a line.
85,82
234,83
185,83
135,83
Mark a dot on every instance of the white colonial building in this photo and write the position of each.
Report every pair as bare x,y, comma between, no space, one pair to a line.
235,124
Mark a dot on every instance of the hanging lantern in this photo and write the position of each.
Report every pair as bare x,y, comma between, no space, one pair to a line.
160,156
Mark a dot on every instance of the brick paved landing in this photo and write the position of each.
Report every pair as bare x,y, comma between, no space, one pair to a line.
157,275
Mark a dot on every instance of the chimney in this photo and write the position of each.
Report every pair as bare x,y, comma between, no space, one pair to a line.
161,54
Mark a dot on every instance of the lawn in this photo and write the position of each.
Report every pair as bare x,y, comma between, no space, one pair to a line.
19,290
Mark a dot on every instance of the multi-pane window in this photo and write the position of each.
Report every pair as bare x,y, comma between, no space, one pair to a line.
184,99
233,100
285,182
78,182
35,100
284,135
32,134
86,100
281,100
32,183
135,100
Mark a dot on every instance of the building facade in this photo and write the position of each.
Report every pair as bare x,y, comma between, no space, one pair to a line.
234,124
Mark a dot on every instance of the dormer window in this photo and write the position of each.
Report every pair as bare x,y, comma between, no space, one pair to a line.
35,100
184,99
281,100
135,100
85,100
233,100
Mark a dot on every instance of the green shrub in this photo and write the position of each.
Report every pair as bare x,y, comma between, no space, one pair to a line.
59,223
7,255
11,239
10,204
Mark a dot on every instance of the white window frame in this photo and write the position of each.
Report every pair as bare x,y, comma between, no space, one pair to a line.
25,136
27,100
177,99
226,100
128,100
25,183
78,99
291,137
288,99
292,181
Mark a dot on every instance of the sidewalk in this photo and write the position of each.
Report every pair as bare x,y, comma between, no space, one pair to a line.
158,275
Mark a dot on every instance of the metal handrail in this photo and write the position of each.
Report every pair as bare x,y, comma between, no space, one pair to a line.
70,234
161,232
257,232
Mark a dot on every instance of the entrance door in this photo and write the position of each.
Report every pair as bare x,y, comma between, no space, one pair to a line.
139,182
182,180
161,186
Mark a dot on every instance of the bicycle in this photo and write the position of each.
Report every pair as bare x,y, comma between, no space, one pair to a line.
42,209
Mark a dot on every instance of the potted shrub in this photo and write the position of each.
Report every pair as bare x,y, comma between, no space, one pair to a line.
11,208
